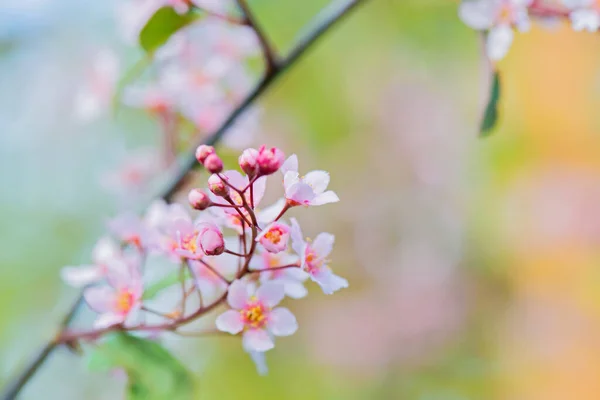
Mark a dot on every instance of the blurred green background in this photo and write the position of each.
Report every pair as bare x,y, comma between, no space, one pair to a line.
472,263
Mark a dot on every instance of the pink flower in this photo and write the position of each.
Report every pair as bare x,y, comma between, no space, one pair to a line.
240,182
253,313
185,243
291,278
210,239
313,259
204,151
130,229
198,199
269,160
308,190
274,237
122,298
105,252
213,164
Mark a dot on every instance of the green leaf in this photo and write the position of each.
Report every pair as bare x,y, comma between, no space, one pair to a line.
154,374
169,280
490,117
164,23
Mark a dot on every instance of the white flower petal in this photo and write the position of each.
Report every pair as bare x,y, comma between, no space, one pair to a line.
257,340
238,294
282,322
323,244
318,180
82,275
477,14
329,282
270,293
295,290
291,164
260,361
230,321
100,299
108,319
498,41
325,198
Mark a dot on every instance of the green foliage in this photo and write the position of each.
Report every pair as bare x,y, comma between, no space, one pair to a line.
154,374
490,117
164,23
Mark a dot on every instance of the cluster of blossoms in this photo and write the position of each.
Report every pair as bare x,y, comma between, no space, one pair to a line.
193,83
232,253
499,18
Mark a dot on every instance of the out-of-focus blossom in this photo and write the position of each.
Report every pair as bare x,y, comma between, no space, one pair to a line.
135,174
121,299
584,15
313,259
96,93
253,313
497,17
105,252
291,278
130,229
308,190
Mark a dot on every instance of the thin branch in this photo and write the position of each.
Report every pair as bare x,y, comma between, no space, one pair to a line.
267,48
295,265
323,22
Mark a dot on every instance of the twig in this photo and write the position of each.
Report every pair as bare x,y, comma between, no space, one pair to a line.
323,22
267,48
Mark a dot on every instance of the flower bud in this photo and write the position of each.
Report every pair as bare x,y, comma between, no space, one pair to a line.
211,240
198,199
269,160
216,186
213,164
204,151
248,162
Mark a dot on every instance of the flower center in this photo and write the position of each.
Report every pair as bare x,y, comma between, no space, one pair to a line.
134,239
254,314
312,262
124,301
506,13
274,235
190,242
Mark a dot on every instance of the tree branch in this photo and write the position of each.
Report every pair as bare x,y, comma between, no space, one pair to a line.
323,22
267,48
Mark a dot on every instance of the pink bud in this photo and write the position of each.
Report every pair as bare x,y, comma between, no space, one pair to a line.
198,199
204,151
269,160
274,237
211,240
216,185
248,162
213,164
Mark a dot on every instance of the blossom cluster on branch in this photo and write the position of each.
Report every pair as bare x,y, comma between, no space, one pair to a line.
500,18
231,253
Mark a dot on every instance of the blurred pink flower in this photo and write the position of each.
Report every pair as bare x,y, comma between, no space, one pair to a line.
105,252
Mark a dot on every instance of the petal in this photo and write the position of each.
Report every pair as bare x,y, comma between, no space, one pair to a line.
585,19
105,250
298,243
300,193
289,179
282,322
477,14
230,321
291,164
100,299
295,290
325,198
329,282
318,180
108,319
270,293
238,294
259,360
82,275
236,179
257,340
498,41
259,187
323,244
